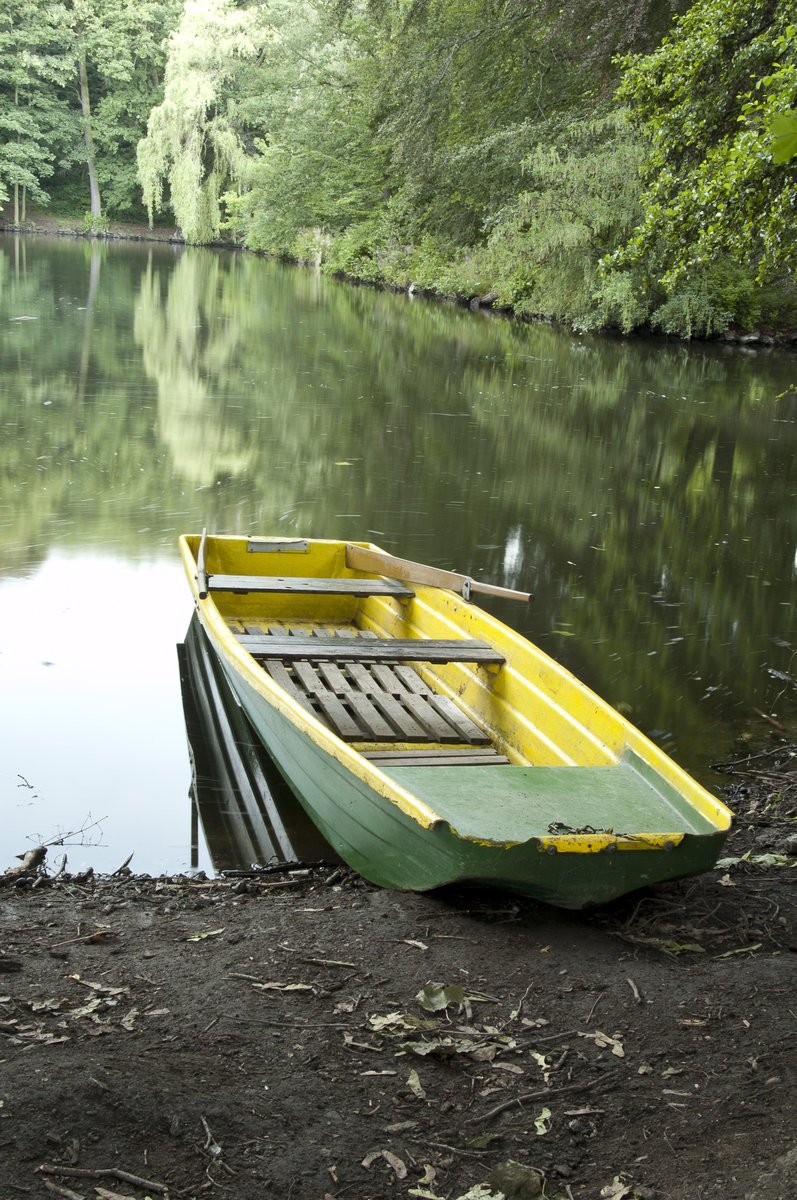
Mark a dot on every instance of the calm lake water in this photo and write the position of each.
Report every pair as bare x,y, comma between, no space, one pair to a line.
645,491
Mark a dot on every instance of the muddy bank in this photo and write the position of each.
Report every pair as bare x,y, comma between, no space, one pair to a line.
302,1034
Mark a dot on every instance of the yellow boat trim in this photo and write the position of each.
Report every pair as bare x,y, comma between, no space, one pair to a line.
594,843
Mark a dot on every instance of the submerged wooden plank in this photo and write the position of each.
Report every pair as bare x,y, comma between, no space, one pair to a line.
436,726
368,714
468,730
403,721
280,675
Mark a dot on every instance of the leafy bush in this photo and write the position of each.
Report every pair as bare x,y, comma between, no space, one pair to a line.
98,225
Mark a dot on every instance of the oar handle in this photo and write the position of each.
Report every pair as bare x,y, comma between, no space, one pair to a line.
362,559
493,589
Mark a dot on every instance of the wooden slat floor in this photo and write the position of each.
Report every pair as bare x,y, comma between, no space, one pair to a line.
380,703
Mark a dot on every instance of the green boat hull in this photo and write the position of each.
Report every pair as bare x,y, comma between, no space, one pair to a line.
391,849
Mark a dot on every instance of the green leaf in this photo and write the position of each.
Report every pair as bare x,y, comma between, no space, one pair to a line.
541,1121
436,997
784,136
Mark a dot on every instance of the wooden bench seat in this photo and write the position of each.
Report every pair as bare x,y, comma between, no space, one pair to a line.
289,648
308,585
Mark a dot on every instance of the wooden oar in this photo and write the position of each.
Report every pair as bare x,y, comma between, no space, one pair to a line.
201,567
361,559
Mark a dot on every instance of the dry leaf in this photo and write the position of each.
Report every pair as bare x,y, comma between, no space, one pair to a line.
283,987
603,1040
415,1086
102,988
391,1159
129,1019
395,1162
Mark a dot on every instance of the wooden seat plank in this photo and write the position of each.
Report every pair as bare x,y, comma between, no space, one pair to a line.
435,758
373,650
308,585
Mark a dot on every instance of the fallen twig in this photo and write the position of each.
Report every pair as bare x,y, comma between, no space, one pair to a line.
58,1190
635,990
540,1094
103,1173
773,721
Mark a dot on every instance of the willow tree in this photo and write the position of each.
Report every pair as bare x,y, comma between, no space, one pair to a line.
193,142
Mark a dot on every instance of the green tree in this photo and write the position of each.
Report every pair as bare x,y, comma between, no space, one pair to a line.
323,163
704,101
35,123
112,62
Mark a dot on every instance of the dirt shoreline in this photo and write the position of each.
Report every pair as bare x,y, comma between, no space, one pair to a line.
74,227
269,1035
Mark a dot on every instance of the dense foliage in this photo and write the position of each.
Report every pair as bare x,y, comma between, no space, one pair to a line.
716,197
614,164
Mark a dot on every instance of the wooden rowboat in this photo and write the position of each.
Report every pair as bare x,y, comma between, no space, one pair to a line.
430,743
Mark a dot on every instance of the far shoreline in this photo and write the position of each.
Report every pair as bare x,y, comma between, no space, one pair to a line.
73,227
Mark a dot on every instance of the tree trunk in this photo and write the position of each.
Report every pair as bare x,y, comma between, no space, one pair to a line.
85,105
16,185
24,203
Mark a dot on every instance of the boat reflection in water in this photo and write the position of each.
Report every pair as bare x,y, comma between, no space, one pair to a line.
248,813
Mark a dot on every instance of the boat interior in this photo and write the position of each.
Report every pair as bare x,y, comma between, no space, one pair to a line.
381,694
392,670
